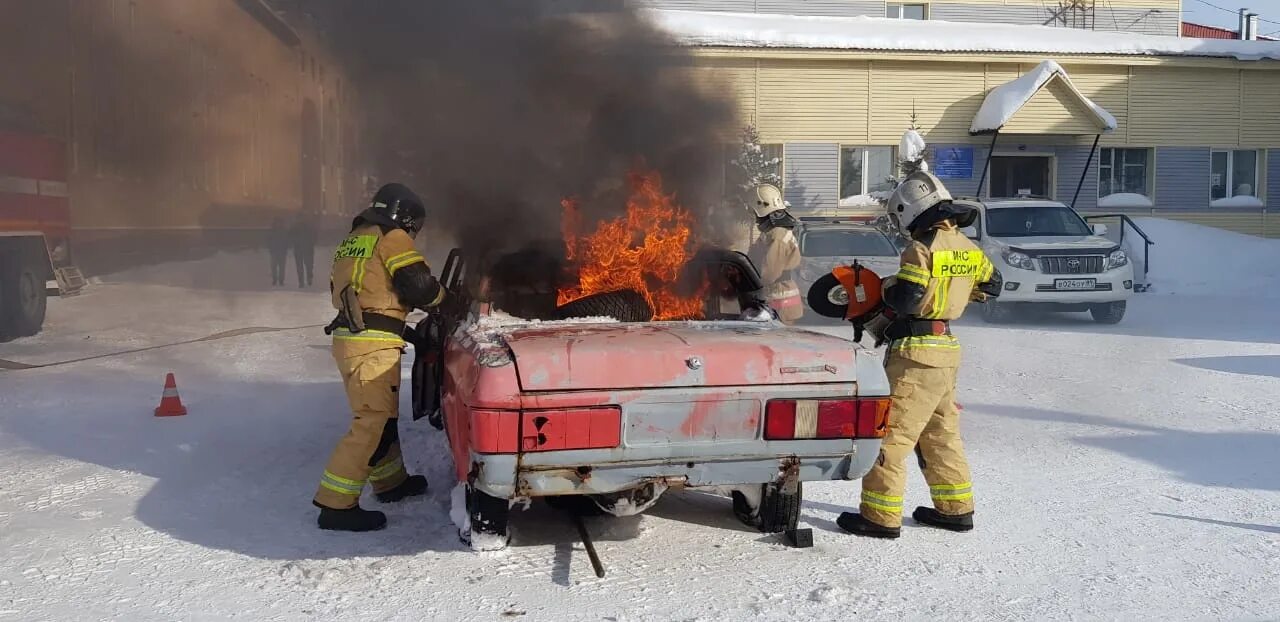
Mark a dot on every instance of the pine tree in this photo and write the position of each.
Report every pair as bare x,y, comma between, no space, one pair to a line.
752,167
912,151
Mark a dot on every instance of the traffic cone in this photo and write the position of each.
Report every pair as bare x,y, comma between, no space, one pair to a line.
170,403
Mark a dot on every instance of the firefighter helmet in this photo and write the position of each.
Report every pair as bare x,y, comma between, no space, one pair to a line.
398,204
919,192
768,199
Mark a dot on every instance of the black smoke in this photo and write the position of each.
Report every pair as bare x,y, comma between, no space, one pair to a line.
495,110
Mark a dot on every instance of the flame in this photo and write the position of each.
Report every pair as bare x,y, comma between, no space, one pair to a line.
644,250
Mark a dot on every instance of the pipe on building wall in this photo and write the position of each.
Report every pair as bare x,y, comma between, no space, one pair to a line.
987,164
1085,172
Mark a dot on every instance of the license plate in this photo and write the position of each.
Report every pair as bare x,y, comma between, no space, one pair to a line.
1075,284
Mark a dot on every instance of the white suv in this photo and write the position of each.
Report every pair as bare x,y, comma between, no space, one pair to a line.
1051,258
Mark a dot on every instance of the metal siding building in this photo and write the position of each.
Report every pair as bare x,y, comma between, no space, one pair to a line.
1171,113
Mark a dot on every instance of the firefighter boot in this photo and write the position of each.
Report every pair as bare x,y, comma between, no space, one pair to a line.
855,524
950,522
412,486
351,519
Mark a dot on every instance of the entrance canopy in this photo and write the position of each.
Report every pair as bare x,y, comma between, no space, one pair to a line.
1041,101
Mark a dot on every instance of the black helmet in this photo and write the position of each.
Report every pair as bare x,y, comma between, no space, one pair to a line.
398,204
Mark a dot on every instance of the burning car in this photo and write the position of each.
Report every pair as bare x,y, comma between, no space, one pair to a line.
617,365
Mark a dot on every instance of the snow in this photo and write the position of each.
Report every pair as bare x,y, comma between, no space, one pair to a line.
1245,266
1123,472
871,199
705,28
1124,199
1242,200
911,148
1006,100
488,333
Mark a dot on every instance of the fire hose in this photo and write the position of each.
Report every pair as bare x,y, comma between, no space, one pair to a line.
6,365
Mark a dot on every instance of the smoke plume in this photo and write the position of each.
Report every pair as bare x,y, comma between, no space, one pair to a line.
494,111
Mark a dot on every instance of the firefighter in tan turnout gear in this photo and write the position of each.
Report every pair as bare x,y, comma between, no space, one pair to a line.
941,271
776,252
378,278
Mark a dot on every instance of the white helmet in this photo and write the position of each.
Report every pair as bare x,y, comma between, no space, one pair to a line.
768,200
918,192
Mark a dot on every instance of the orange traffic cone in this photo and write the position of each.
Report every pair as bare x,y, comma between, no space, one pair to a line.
170,403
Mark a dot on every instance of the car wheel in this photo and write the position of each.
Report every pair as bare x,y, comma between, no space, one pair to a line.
997,313
1110,313
778,511
23,299
627,305
488,516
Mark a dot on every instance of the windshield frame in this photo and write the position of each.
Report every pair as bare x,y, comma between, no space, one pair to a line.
1085,229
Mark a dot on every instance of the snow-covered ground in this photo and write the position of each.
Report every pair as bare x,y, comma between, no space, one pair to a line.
1129,472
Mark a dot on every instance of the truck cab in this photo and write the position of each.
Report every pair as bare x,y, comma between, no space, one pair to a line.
1051,259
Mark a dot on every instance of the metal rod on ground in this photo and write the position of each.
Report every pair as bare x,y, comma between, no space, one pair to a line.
591,548
1085,173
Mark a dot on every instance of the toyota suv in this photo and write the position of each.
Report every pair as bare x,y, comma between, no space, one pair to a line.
1051,259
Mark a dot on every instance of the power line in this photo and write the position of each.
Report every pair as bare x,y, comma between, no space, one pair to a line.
1236,13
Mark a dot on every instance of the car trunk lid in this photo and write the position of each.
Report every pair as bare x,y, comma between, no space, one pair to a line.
676,354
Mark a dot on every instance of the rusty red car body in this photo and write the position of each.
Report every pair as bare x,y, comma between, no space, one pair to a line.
600,408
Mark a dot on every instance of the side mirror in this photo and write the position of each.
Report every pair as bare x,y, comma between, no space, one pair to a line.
970,232
1099,229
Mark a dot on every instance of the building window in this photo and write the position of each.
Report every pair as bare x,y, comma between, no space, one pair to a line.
1124,171
864,170
905,11
1233,174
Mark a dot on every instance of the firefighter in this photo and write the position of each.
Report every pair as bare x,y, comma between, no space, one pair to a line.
776,252
941,271
378,278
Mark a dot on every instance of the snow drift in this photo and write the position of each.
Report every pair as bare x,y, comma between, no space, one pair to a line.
1195,260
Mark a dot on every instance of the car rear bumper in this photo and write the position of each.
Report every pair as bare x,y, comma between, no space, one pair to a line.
590,472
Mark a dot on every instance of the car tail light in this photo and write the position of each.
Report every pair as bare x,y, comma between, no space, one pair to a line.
827,418
510,431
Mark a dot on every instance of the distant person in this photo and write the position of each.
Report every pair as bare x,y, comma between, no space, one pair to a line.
303,234
776,253
278,248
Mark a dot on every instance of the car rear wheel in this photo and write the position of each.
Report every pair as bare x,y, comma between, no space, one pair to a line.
1110,313
779,511
488,517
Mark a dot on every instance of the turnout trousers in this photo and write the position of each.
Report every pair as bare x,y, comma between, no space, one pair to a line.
369,453
922,418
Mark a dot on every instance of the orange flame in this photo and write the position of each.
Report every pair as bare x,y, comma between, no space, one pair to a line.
644,250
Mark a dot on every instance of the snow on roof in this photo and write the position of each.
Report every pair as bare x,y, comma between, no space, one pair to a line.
1007,99
704,28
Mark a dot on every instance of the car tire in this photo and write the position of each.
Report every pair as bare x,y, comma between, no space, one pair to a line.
489,517
626,305
1110,313
23,300
994,312
778,511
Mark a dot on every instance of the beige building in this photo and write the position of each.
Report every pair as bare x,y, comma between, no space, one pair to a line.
1196,124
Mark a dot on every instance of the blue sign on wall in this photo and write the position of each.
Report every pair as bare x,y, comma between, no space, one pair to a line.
953,163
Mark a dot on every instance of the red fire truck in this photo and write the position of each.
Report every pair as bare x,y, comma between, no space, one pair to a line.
35,229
